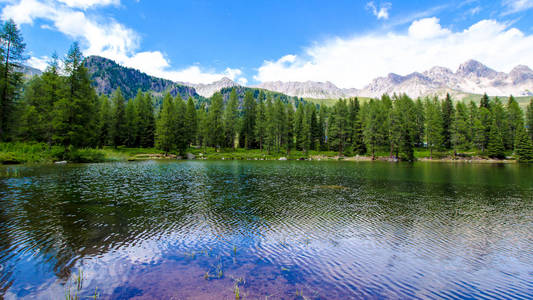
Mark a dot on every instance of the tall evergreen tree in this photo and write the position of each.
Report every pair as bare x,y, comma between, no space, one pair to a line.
248,124
12,48
460,128
75,115
105,122
280,124
529,118
289,128
524,146
181,135
495,148
145,109
132,122
447,120
119,128
203,126
260,121
338,127
216,121
515,120
165,135
434,128
231,119
420,120
374,126
485,102
191,122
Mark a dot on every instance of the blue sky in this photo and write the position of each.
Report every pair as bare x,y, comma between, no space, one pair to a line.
346,42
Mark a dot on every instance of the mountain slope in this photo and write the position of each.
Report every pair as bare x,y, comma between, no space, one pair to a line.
107,76
309,89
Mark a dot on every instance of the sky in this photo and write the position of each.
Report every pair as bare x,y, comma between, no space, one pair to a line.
348,43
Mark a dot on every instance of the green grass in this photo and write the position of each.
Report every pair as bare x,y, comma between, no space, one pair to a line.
40,153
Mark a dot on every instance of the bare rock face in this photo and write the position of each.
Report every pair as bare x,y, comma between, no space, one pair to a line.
308,89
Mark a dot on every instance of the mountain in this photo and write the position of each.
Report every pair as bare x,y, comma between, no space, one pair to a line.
29,72
309,89
107,76
472,77
207,90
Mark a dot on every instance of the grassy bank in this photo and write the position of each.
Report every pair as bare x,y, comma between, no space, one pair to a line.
37,153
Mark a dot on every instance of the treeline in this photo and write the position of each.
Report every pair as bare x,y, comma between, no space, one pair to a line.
60,107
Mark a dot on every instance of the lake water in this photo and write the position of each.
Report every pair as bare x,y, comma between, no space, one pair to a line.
271,230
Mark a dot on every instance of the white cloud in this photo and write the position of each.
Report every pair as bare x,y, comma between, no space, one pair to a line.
105,38
514,6
382,12
353,62
38,62
89,3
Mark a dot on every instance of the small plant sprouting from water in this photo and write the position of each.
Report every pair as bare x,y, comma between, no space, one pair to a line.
207,275
234,250
78,282
237,292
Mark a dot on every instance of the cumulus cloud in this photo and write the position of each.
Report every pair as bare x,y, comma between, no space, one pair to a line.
353,62
514,6
382,12
38,62
107,38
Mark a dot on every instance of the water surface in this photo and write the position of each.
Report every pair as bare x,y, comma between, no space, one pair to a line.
282,230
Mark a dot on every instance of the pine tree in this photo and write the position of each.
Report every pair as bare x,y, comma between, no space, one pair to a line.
529,119
299,120
485,102
515,120
104,122
248,124
495,148
119,128
165,136
315,133
12,50
215,121
482,128
191,122
524,146
433,126
203,126
271,135
289,128
419,123
261,121
181,136
145,109
75,114
280,124
460,128
374,129
447,120
231,119
132,121
338,127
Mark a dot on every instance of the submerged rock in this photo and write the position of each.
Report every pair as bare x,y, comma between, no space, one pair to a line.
61,162
282,158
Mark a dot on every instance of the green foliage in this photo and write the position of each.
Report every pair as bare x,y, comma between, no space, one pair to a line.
165,135
434,128
495,148
524,146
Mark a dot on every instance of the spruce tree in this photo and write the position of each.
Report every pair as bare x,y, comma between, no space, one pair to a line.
485,102
289,128
119,127
338,127
132,122
145,109
460,128
191,122
374,129
524,145
495,148
12,50
248,124
231,119
515,120
104,122
165,135
261,121
529,119
215,121
433,126
203,126
447,119
280,124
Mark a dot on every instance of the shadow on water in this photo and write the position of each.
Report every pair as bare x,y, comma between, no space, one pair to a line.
309,230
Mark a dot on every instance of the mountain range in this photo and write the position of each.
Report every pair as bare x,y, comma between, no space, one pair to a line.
472,77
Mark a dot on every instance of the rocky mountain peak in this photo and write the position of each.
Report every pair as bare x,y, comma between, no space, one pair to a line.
475,68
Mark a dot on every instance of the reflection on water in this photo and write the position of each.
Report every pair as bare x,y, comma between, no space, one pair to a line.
286,230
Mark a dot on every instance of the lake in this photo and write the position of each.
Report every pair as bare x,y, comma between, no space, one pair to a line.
266,230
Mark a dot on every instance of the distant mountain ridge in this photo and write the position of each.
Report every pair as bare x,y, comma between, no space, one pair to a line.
472,77
107,76
207,90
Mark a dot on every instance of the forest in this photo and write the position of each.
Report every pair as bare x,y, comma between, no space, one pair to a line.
61,109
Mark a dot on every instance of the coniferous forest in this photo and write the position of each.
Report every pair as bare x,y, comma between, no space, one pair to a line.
61,109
